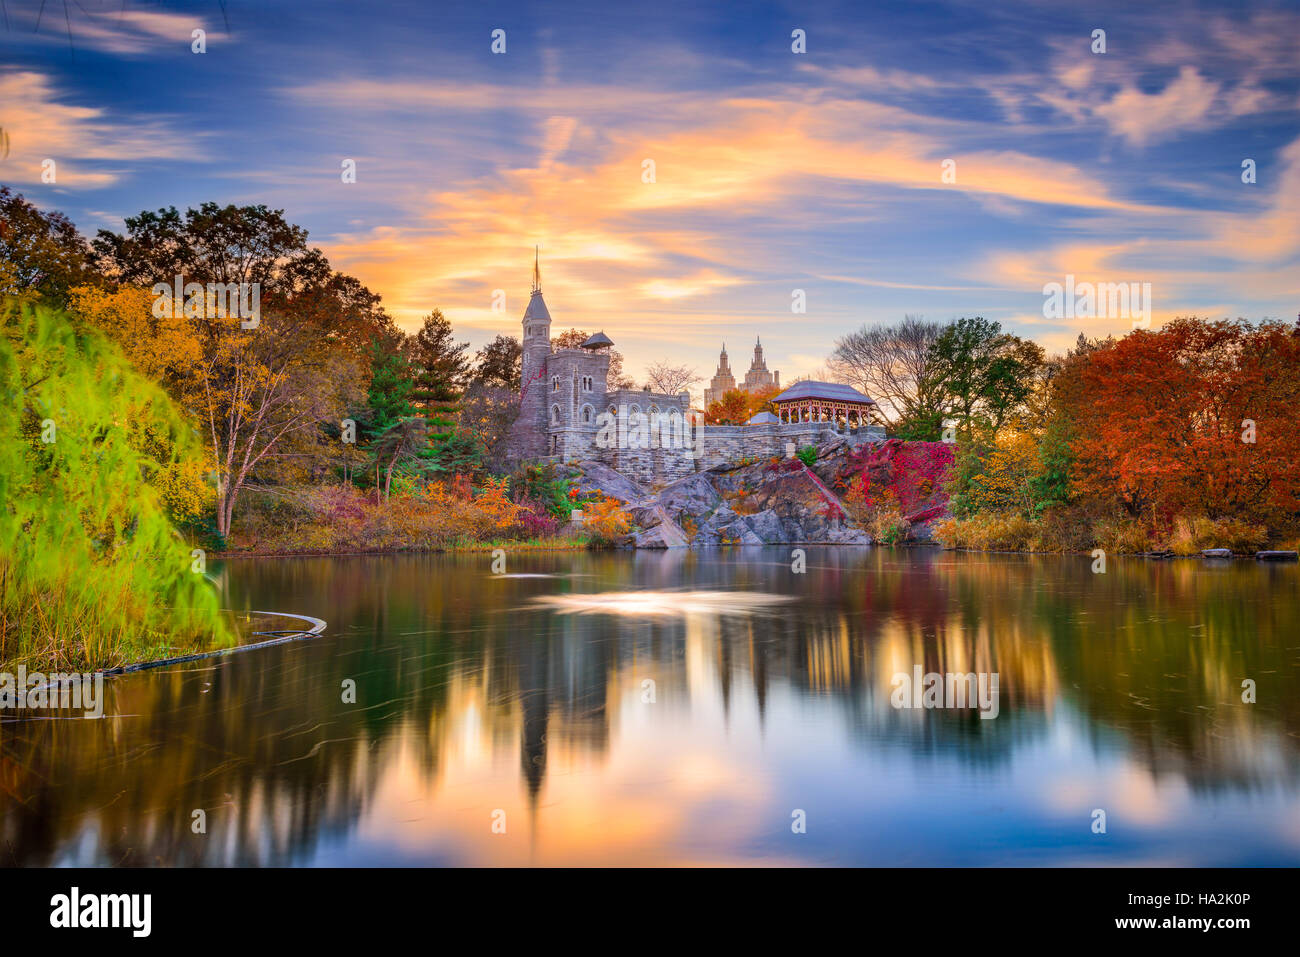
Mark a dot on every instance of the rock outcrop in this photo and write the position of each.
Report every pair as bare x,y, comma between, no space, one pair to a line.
773,501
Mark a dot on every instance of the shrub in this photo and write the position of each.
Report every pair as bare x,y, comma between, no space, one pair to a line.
989,531
1121,536
606,521
542,484
1191,534
534,520
887,525
807,455
1065,529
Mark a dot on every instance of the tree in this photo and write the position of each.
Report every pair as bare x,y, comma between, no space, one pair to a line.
261,395
404,441
241,244
1195,417
499,363
984,375
388,398
487,413
894,365
731,409
94,465
440,364
41,254
737,407
669,379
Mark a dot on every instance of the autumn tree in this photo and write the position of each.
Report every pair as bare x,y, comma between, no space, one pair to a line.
737,407
1197,416
262,393
499,363
214,243
41,253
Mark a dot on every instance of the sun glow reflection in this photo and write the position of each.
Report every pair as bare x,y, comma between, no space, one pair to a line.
640,604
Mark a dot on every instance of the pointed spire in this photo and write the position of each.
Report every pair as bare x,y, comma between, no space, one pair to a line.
537,270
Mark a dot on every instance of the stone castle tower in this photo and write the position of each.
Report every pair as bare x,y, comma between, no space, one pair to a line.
564,391
529,438
758,377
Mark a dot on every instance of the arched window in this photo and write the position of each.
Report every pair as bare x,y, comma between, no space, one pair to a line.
555,415
587,413
555,383
613,411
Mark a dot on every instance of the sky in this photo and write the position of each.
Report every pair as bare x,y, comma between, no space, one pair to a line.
773,170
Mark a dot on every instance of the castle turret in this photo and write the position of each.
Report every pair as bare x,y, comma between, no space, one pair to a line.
536,331
528,439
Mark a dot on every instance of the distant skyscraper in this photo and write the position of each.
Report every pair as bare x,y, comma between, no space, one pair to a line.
723,381
758,377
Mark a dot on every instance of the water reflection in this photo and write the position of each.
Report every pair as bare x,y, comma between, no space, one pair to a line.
676,707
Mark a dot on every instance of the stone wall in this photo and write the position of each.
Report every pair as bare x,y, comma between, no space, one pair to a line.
714,445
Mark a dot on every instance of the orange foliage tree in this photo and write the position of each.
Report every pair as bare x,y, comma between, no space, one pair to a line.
737,407
1195,417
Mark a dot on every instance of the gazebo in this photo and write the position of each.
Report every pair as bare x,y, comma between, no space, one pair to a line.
810,401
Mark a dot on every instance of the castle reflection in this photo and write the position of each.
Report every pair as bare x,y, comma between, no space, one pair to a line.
673,707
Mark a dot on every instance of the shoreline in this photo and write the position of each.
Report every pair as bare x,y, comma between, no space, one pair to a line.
584,547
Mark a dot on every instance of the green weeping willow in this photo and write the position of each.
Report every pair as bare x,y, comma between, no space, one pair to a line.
92,571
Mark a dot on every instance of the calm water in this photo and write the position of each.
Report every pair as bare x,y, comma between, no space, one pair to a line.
677,708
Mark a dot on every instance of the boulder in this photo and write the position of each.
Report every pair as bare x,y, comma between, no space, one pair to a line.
596,477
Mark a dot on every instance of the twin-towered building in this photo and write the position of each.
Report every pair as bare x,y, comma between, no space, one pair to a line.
568,413
756,378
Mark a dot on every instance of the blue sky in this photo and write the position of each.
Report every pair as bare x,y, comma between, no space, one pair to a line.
774,171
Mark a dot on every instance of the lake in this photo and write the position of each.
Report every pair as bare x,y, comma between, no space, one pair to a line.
712,707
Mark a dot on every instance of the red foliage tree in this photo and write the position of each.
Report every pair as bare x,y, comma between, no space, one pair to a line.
1195,417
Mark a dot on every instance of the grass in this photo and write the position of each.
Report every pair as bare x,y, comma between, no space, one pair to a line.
1076,531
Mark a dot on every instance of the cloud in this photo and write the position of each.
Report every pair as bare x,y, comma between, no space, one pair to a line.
672,240
88,145
1184,104
125,32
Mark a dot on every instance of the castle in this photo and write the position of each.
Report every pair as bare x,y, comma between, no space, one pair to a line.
756,378
568,413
